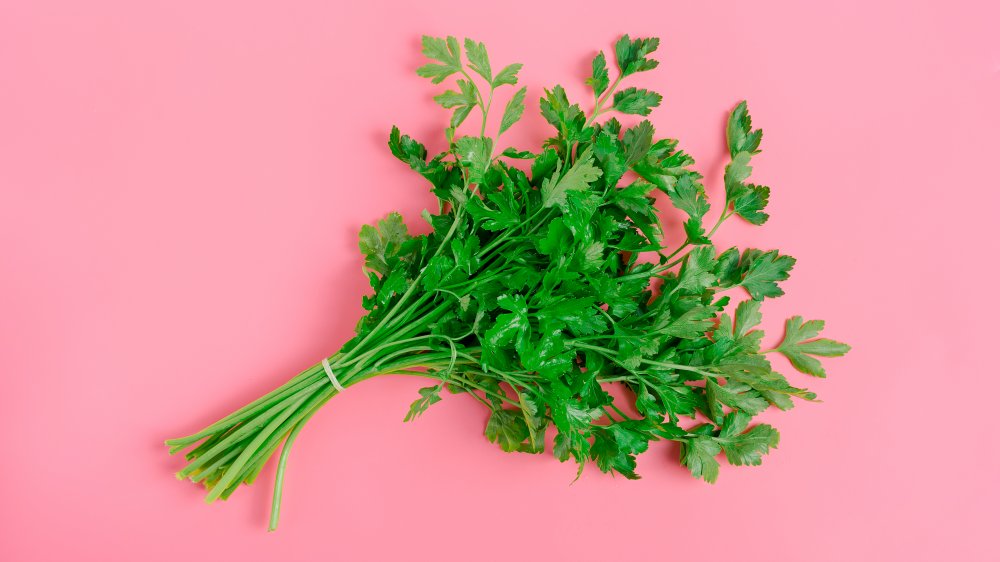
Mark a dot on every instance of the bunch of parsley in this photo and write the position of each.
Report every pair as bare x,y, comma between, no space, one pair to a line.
545,279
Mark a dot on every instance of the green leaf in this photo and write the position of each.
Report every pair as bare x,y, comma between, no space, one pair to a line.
610,155
479,61
763,273
428,396
476,153
547,356
567,118
637,142
578,178
615,447
735,395
466,253
746,449
533,409
679,400
750,205
801,344
646,403
579,315
392,284
511,326
740,136
502,212
544,166
747,316
689,325
737,171
632,55
507,429
698,271
599,80
636,101
689,196
464,100
772,386
556,239
465,96
572,443
727,267
445,51
460,115
513,111
511,152
507,75
698,454
380,244
439,271
407,150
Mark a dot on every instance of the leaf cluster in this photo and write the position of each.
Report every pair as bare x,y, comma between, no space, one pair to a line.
546,277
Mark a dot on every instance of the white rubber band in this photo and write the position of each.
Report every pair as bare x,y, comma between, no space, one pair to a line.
333,378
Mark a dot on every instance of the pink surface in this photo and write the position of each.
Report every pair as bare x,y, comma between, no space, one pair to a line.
181,189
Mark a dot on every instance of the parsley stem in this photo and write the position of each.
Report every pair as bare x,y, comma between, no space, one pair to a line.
620,412
279,479
679,367
486,111
499,239
611,355
412,287
604,99
687,243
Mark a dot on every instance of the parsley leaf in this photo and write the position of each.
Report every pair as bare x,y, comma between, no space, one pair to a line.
476,154
507,75
698,454
740,136
763,271
512,113
428,396
577,178
479,61
445,51
697,272
636,101
507,428
407,150
801,343
638,141
380,244
746,448
464,100
599,80
632,54
750,205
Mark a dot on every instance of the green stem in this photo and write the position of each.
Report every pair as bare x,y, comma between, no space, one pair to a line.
611,355
486,111
620,412
410,289
279,479
725,215
604,99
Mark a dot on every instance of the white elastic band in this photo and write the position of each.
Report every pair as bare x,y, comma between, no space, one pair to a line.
333,378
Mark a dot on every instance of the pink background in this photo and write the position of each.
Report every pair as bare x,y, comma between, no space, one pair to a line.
182,183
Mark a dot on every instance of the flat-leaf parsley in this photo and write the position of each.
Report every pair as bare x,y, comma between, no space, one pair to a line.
546,277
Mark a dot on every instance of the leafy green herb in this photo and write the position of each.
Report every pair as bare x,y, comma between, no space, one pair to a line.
542,284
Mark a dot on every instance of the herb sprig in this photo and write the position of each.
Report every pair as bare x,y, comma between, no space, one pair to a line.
536,289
